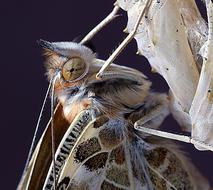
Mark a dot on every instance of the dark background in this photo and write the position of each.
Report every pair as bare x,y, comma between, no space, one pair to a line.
23,83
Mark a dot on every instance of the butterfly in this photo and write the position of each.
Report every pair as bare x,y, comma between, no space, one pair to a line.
96,144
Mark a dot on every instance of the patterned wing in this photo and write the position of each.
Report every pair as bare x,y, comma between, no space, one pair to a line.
170,169
102,159
111,155
68,142
102,153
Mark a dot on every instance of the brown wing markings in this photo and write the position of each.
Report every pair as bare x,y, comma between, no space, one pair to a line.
122,168
117,155
114,164
176,171
89,146
158,182
96,162
117,168
64,183
109,138
166,169
67,145
90,170
86,149
156,157
81,154
100,121
118,175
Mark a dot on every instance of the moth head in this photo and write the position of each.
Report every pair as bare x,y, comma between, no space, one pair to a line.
72,60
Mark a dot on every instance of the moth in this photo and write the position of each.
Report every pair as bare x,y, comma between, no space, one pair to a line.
99,135
96,146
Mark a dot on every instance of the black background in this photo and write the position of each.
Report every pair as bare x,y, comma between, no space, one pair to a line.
23,83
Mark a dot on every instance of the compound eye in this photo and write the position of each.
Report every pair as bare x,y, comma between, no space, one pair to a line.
74,69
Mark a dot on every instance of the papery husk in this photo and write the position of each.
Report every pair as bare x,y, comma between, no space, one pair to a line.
201,111
170,36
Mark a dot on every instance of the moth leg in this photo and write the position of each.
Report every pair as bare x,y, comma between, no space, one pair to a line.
152,113
182,138
150,116
101,25
126,41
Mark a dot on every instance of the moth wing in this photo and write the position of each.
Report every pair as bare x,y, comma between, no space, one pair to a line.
169,167
67,144
41,159
109,154
100,159
86,145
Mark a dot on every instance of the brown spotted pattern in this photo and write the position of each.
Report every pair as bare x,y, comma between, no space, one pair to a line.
176,174
117,155
86,149
109,138
96,162
118,175
158,182
109,160
174,171
100,121
156,157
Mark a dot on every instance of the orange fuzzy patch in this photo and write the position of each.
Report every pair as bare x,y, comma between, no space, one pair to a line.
75,109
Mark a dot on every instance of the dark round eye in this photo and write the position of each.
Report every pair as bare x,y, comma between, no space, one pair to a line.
73,69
